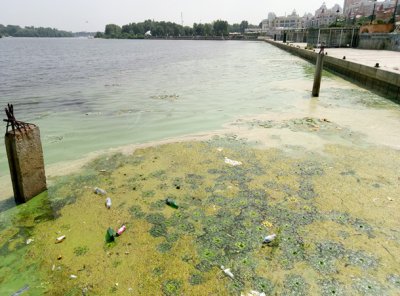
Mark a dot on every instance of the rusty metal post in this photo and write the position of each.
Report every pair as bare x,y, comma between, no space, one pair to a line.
25,158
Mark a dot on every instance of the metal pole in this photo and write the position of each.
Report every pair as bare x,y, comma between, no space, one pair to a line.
318,74
352,37
394,12
341,35
373,13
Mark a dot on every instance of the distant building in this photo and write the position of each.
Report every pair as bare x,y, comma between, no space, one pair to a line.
365,8
325,16
276,24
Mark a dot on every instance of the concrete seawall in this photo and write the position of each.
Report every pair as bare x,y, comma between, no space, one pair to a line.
385,82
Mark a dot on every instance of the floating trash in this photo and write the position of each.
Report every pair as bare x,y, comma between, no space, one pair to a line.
171,203
99,191
269,238
121,230
60,239
108,203
232,162
20,291
110,235
227,271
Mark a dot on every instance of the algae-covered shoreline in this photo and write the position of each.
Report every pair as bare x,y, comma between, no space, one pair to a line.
334,213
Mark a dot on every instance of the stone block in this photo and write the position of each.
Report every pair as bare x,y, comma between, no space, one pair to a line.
25,158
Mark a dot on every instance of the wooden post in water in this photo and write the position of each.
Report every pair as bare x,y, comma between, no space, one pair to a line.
25,158
318,73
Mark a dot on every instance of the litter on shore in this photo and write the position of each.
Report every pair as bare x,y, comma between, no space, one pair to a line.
232,162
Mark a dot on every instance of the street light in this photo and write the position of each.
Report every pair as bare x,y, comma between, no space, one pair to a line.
394,12
337,14
373,13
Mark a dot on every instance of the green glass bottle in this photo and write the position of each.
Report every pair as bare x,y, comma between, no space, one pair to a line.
110,235
171,203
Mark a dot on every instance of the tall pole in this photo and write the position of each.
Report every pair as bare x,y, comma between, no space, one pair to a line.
318,73
394,12
373,13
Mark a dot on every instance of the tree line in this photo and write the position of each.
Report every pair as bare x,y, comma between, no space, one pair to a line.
17,31
217,28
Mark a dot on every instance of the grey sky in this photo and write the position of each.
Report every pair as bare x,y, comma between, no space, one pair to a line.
93,15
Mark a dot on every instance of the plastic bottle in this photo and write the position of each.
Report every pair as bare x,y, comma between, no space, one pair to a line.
110,235
121,230
269,238
60,239
100,191
171,203
227,271
108,203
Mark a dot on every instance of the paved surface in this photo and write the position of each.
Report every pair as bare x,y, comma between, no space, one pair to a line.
388,60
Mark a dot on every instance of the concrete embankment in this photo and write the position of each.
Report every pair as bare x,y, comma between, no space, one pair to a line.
385,82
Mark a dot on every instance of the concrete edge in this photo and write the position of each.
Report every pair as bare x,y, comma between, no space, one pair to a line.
384,82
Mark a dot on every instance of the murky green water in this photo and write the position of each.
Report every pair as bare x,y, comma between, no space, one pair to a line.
322,174
335,216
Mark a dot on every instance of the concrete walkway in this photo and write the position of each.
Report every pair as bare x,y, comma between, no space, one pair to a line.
388,60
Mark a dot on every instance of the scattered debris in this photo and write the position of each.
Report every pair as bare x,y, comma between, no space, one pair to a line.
72,276
269,238
171,97
59,257
171,203
227,271
20,291
232,162
121,230
60,239
254,293
110,235
29,240
99,191
108,203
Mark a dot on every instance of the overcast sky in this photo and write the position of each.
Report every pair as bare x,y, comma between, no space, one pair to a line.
93,15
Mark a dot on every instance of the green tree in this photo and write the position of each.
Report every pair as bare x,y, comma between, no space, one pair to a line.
112,30
220,27
234,28
208,30
198,29
243,26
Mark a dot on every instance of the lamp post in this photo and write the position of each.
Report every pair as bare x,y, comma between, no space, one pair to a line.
337,14
373,13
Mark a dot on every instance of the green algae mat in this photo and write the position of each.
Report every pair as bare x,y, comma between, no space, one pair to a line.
335,216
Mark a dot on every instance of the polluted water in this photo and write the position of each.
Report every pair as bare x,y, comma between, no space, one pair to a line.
319,239
296,201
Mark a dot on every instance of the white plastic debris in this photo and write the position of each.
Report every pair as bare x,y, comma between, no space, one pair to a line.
227,271
220,149
29,240
269,238
72,276
232,162
100,191
108,203
60,239
254,293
